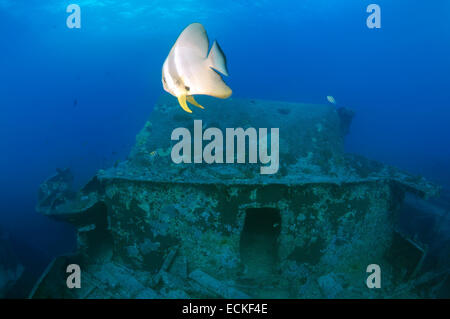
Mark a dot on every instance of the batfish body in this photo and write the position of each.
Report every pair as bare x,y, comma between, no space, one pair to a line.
190,70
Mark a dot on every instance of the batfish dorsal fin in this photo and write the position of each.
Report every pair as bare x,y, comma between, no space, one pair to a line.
195,39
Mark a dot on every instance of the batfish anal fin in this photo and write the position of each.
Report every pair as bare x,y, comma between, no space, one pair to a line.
191,100
183,104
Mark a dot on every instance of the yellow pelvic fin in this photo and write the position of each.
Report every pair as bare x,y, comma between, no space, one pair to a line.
191,100
182,101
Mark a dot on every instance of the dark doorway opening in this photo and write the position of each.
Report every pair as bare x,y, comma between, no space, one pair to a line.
99,241
259,241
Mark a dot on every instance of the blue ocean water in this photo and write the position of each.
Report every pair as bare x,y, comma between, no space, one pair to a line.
77,97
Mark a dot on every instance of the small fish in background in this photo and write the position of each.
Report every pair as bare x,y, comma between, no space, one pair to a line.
75,103
331,99
190,70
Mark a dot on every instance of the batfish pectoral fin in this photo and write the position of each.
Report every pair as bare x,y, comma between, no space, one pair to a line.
183,104
191,100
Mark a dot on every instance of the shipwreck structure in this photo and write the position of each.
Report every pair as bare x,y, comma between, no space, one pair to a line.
149,228
11,268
